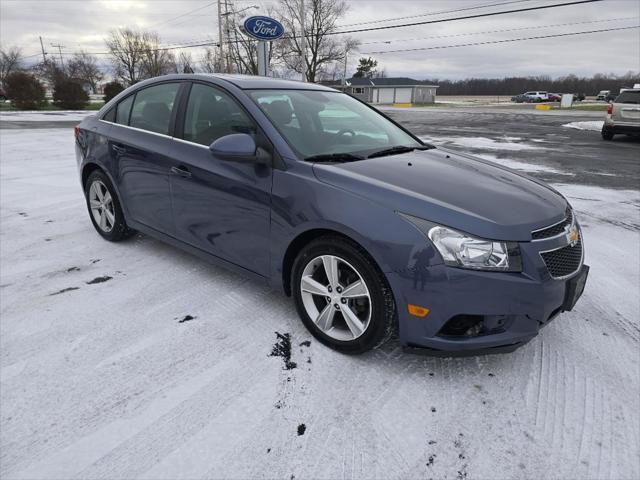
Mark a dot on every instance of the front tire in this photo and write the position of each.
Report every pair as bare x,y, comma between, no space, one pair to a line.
342,297
104,208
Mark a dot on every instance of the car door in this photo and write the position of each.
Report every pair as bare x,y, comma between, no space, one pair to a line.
220,206
139,143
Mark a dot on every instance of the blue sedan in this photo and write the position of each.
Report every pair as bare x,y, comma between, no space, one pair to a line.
323,197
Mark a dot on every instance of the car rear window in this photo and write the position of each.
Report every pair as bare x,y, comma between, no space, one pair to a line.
629,97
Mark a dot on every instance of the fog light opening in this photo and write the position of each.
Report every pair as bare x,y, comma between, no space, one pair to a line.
463,326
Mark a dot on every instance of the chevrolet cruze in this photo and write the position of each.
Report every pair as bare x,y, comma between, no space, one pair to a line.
318,194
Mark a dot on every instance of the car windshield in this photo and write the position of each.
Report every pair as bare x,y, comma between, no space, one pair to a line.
330,124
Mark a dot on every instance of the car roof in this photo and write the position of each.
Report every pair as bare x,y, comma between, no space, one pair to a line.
247,82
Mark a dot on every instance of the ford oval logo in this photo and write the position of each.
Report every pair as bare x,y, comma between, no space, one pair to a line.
263,28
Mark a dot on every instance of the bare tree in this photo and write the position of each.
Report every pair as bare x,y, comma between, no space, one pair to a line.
126,47
10,61
210,61
50,72
243,54
155,60
84,67
184,63
322,48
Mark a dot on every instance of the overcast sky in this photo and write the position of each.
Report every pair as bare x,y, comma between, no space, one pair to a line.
84,24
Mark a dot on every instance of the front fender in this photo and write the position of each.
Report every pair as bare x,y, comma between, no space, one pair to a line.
301,203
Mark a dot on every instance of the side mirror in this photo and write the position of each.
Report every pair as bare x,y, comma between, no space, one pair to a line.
237,147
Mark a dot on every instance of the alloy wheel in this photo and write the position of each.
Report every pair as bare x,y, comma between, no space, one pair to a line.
336,297
101,205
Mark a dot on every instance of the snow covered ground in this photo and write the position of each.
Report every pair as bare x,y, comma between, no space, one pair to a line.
49,116
594,126
136,360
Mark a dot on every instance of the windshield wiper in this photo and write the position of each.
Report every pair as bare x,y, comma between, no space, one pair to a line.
397,150
334,157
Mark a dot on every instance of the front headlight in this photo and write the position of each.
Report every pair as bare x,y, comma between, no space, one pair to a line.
462,250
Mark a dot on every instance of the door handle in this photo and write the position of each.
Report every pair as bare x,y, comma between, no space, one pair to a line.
182,171
118,149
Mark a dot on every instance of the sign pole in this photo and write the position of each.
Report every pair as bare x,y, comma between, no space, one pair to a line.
263,64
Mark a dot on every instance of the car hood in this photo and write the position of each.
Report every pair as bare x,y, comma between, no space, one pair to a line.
459,191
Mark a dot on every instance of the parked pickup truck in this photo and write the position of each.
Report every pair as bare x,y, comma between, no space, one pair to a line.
623,114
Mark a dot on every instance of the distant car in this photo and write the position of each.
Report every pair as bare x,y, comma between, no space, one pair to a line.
578,97
603,94
555,97
623,115
531,97
3,95
536,97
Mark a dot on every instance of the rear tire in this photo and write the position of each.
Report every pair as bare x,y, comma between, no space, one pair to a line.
104,208
607,134
361,320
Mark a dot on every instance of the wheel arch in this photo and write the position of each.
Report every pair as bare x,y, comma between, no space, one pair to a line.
88,169
306,237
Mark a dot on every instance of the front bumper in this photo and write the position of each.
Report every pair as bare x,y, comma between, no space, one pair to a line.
512,307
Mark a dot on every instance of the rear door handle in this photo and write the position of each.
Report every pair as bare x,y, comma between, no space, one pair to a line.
182,171
118,149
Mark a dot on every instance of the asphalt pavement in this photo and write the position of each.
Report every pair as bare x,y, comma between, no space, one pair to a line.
556,153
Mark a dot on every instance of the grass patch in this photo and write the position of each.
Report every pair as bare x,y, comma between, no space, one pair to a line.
48,107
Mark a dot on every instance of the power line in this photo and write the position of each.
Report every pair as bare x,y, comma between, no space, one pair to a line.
535,27
499,41
466,17
443,20
183,15
430,14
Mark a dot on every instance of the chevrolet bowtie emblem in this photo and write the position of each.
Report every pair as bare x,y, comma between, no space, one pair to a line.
573,236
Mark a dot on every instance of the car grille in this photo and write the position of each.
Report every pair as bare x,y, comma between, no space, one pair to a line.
563,261
554,230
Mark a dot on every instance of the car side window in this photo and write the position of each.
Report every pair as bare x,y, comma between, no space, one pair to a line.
123,110
152,108
110,116
211,114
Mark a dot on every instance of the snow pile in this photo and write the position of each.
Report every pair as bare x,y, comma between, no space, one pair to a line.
523,166
593,125
505,143
48,116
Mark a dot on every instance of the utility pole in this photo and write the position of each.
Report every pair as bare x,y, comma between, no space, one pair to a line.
344,73
59,47
304,42
44,54
220,40
227,35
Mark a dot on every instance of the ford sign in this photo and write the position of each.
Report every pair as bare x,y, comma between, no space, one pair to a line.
263,28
